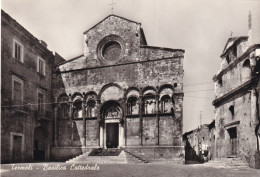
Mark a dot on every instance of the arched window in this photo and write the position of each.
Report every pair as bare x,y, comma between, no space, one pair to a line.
132,106
166,104
63,111
232,111
246,63
77,109
63,108
228,59
149,104
90,109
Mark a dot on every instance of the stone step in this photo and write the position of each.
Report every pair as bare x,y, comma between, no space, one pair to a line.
132,156
85,158
227,163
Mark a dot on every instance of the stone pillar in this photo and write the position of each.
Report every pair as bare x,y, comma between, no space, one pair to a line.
157,117
124,121
100,124
55,126
141,118
71,121
84,122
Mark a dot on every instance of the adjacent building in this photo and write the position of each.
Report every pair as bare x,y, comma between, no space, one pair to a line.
26,109
237,100
200,143
120,93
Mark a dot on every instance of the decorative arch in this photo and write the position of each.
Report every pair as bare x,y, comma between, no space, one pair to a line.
149,88
117,94
111,109
130,89
91,93
165,86
76,96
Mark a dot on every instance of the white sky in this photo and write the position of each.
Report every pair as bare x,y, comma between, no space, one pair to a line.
200,27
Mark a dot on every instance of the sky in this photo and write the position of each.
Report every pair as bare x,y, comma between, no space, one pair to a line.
200,27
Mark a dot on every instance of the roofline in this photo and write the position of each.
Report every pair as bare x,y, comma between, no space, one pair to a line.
69,60
162,48
108,17
235,42
26,32
236,61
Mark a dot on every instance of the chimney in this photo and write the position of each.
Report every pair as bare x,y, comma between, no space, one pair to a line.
43,43
250,33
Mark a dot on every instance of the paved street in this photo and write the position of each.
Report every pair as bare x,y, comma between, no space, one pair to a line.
123,170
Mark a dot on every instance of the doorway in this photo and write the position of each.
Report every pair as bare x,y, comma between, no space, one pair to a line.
39,145
112,133
233,140
17,148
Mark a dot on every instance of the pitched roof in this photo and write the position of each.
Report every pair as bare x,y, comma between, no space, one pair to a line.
107,18
231,42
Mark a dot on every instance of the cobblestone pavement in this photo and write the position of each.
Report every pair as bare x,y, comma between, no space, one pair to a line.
121,170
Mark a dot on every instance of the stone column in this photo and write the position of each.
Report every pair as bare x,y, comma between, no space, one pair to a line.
157,117
141,118
55,126
84,121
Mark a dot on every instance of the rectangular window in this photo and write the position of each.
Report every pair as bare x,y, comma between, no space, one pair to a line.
17,90
41,66
40,103
17,50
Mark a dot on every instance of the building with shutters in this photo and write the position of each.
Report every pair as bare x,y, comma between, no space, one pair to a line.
26,74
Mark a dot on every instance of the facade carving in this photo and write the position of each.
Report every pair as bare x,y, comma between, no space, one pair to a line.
123,93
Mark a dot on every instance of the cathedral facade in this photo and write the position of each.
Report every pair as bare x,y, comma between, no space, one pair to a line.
120,93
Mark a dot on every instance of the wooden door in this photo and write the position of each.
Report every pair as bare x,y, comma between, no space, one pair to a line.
17,149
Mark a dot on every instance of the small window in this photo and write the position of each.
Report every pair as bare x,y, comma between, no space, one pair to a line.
232,110
17,50
228,59
40,103
91,108
149,104
41,66
77,109
166,104
246,63
17,90
132,106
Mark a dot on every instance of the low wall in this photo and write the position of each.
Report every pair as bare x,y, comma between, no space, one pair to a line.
159,153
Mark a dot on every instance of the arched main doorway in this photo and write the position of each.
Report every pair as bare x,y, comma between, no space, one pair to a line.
39,144
111,132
